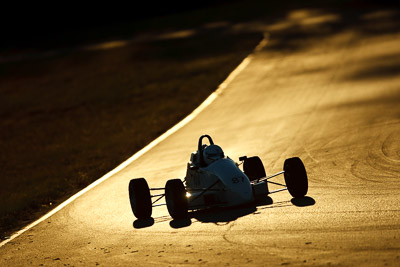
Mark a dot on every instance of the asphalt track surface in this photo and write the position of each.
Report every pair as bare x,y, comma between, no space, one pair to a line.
331,99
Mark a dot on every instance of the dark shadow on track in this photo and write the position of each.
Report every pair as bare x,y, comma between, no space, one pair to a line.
223,215
367,21
264,202
143,223
303,201
180,223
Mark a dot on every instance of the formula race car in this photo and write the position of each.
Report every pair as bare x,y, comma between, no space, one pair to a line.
214,180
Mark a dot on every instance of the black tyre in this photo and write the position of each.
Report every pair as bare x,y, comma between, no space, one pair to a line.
254,168
175,196
295,177
139,195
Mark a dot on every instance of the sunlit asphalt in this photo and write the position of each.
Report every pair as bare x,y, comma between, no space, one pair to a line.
325,88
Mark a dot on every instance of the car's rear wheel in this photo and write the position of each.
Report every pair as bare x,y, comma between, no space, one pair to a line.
140,198
175,196
253,168
295,177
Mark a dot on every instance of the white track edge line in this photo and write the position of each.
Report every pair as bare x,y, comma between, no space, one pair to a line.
155,142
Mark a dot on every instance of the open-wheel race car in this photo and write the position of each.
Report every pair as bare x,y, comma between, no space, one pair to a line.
214,180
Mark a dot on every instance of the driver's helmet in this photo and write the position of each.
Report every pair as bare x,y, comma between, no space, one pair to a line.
212,153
